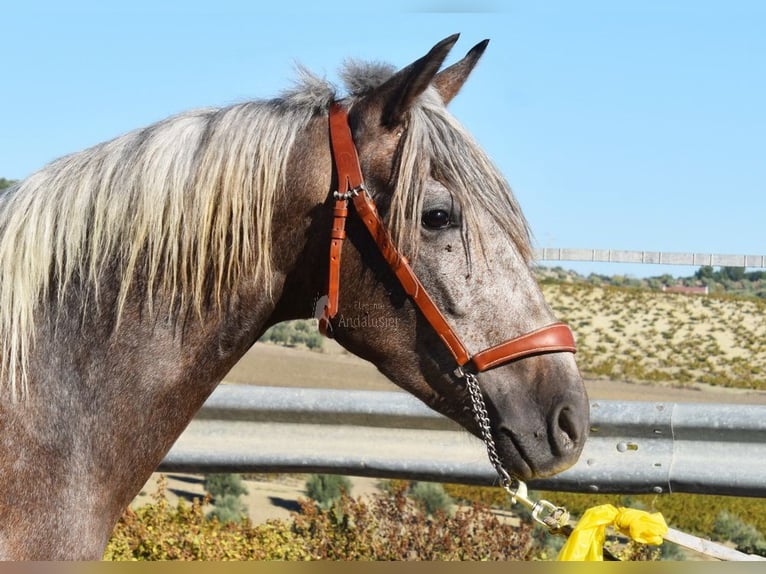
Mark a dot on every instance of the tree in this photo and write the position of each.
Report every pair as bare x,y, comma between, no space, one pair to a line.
733,273
705,272
5,183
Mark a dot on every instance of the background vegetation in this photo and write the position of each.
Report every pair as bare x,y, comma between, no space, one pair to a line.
650,336
225,493
720,281
466,523
301,332
389,526
737,520
327,489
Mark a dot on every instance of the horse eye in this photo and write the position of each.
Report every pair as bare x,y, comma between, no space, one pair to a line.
436,219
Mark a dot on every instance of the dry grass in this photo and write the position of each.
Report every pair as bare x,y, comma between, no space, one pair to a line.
677,343
639,335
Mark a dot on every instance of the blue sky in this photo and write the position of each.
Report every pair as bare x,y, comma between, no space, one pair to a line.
619,125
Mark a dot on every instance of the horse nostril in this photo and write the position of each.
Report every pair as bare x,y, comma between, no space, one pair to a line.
566,433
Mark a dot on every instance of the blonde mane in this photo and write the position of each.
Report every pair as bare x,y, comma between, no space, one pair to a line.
187,205
187,202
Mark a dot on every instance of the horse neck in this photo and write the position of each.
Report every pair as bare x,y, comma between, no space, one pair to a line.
106,403
301,227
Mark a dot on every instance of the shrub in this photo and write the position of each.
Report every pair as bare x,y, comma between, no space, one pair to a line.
387,527
730,527
222,485
159,531
490,496
228,508
225,491
294,333
392,486
693,513
393,527
431,496
326,489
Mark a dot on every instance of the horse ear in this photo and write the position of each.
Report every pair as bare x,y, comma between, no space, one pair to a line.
449,81
395,95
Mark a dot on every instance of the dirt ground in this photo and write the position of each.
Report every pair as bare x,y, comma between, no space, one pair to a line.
337,369
271,365
271,497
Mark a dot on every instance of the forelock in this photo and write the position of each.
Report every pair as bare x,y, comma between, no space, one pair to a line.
360,77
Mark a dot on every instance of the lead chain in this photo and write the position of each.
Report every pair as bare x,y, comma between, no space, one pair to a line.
553,517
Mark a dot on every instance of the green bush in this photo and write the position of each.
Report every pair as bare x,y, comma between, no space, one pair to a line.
327,489
730,527
431,496
225,491
295,333
228,508
222,485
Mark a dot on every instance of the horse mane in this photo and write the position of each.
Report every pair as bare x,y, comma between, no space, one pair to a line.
188,203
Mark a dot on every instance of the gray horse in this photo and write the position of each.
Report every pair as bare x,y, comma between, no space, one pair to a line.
134,275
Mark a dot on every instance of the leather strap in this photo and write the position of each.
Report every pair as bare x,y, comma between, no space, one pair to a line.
344,153
554,338
549,339
337,235
366,209
349,174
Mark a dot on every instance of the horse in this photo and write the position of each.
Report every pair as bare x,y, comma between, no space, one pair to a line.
134,275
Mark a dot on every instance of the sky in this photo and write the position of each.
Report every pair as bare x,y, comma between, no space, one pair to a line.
636,125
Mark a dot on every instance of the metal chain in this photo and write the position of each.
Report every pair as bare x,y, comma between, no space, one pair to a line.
555,518
482,418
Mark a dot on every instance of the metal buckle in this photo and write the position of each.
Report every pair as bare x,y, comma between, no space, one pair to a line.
350,193
549,515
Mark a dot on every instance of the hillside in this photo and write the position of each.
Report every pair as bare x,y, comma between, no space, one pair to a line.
634,335
641,335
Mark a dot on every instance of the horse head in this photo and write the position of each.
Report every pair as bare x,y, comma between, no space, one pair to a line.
453,215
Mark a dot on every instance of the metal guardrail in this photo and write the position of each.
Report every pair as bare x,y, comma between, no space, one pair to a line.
655,257
634,447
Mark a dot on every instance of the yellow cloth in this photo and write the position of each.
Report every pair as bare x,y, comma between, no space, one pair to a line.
587,539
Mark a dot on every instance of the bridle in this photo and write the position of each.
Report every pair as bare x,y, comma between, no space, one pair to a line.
553,338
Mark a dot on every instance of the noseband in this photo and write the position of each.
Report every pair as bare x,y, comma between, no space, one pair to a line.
553,338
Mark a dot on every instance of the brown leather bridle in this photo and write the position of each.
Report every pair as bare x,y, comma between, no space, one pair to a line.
553,338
